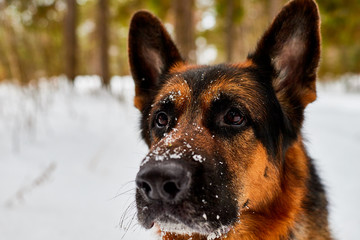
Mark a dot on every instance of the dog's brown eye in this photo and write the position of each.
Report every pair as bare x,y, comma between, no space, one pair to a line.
234,117
162,119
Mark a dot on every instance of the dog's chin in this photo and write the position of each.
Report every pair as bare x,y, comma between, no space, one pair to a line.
171,225
183,223
178,228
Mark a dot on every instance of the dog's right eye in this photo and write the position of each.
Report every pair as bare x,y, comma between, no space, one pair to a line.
234,117
161,120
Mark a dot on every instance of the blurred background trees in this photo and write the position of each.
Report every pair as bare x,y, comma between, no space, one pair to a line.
70,39
44,38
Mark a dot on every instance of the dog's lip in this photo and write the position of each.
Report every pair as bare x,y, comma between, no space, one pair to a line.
190,228
172,219
148,224
166,216
149,221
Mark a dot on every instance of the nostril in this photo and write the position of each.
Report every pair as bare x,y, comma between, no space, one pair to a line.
171,188
145,187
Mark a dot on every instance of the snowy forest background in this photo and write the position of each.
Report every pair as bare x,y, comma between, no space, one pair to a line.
69,140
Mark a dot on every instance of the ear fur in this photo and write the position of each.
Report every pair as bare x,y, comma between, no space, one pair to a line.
290,50
151,53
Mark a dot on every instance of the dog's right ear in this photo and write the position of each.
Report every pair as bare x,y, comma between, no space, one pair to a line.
151,53
289,52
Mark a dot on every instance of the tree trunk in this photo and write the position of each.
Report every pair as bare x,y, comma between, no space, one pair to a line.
103,37
70,40
185,29
229,30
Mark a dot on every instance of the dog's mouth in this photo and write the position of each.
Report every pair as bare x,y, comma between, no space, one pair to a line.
180,219
165,215
174,224
170,223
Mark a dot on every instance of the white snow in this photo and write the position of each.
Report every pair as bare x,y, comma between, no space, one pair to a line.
198,158
68,160
332,128
69,157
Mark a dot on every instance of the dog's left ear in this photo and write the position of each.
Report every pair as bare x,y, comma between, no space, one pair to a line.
151,53
290,49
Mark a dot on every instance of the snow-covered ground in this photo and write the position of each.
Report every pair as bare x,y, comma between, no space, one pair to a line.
69,156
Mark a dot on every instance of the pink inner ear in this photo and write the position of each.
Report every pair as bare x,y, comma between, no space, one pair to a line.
153,61
288,61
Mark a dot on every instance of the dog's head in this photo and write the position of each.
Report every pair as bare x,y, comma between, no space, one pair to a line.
218,134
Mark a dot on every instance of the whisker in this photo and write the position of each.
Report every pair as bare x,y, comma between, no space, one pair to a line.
131,221
123,193
126,217
125,214
125,184
136,226
128,226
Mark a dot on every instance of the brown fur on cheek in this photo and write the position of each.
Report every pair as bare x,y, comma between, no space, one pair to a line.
261,181
274,219
253,173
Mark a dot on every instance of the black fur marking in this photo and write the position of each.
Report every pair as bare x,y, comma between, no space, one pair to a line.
315,202
265,172
246,203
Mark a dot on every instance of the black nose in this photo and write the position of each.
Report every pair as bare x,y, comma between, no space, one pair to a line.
167,182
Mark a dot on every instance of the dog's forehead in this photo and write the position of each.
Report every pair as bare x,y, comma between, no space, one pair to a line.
200,86
201,78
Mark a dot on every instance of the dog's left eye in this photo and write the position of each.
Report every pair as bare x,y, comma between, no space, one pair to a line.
234,117
161,120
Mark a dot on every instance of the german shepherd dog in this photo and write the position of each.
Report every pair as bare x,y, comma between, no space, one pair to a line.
226,158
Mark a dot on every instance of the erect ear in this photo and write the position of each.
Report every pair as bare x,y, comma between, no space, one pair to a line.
151,53
290,48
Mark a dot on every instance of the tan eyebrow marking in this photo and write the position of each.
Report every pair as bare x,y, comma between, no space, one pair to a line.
177,91
244,89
